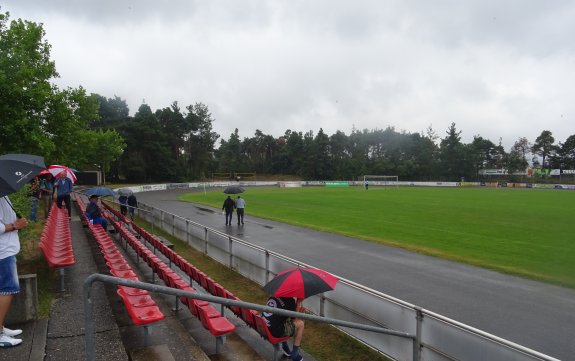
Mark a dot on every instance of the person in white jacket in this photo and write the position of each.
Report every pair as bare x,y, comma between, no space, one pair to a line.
240,205
9,285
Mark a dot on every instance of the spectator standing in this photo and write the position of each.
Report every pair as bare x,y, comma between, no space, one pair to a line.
228,207
46,193
123,204
64,186
240,206
94,213
281,326
34,198
9,285
132,205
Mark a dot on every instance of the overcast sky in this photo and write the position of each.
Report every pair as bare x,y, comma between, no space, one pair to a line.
497,68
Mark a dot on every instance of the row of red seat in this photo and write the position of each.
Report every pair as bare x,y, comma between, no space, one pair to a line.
56,239
210,318
141,308
250,317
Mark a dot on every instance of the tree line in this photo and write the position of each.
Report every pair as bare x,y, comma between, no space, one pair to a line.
175,144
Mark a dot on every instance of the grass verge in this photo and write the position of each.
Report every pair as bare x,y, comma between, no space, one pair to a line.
31,261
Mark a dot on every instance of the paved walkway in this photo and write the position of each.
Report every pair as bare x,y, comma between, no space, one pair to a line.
533,314
62,336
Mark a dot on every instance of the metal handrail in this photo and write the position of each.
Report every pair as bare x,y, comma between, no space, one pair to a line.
96,277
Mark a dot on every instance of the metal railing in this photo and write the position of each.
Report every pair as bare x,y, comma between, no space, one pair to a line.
438,337
89,318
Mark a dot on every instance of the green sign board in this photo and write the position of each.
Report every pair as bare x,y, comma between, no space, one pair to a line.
336,184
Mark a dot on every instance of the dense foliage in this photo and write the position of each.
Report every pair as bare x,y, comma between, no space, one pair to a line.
173,144
38,118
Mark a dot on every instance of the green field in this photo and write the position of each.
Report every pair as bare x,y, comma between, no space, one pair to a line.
522,232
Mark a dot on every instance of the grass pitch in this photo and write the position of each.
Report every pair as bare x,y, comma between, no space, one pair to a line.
523,232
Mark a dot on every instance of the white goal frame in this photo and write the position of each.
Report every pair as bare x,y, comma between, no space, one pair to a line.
381,180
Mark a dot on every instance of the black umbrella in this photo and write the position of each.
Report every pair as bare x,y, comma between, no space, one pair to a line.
18,169
100,192
234,189
125,192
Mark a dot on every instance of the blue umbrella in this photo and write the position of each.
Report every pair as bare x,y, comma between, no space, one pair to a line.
100,192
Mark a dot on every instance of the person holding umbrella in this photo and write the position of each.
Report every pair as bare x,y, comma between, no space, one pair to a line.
15,171
94,213
65,187
281,326
10,224
228,207
288,289
132,205
123,200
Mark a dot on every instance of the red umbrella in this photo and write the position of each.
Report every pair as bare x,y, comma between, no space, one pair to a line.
300,283
57,169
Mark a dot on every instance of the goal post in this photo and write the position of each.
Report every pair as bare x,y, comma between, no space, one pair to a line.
381,180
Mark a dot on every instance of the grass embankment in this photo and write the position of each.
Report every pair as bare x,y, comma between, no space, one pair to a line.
31,261
322,341
523,232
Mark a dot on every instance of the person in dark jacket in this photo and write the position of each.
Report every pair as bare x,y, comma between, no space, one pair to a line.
228,207
132,205
94,214
281,326
123,199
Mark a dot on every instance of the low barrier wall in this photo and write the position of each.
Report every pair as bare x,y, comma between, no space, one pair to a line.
24,305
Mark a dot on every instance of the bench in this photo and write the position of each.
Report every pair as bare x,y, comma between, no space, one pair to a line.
210,318
141,308
56,242
250,317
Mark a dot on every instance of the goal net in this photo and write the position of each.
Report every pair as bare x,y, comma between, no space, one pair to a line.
381,180
222,175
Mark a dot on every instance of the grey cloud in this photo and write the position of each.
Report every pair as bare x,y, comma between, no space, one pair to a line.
496,68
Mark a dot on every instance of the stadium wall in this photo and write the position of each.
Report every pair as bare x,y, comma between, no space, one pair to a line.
282,184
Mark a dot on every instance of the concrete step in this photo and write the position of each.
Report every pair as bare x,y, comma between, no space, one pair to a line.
152,353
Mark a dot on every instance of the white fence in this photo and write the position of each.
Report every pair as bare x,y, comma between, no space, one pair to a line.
437,338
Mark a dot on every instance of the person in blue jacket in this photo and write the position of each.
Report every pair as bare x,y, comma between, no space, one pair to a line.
65,187
94,214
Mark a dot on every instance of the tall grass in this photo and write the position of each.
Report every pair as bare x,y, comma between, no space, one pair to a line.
30,259
523,232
